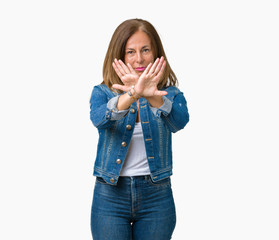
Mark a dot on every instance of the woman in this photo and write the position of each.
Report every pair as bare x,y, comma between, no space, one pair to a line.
135,109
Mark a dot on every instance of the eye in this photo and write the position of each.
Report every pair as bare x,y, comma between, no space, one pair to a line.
129,52
146,50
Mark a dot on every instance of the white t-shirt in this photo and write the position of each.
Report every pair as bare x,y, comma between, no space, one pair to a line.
136,163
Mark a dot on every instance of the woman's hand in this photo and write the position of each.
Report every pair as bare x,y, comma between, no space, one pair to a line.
146,86
127,75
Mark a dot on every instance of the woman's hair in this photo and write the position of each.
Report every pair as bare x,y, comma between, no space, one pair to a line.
117,47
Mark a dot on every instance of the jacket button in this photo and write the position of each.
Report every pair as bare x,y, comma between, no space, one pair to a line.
124,144
128,127
118,161
132,110
112,180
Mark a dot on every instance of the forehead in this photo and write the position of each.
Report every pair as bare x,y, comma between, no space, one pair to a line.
138,39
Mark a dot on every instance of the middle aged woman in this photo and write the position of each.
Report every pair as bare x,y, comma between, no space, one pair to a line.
135,109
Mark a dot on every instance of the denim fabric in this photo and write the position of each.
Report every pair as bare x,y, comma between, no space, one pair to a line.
116,128
135,209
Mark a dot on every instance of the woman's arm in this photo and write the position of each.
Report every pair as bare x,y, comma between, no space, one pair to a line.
125,101
173,111
103,109
155,101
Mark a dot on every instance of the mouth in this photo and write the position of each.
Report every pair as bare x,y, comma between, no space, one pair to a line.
140,69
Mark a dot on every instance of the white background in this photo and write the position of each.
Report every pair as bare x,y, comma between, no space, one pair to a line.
225,55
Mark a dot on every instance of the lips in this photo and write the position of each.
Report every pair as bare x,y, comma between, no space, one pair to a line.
140,69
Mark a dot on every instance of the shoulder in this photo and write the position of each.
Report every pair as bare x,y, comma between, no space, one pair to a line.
103,89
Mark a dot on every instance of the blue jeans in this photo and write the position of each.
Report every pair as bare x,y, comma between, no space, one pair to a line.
135,209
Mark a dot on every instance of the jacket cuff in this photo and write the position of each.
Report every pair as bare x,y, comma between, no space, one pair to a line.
112,110
165,109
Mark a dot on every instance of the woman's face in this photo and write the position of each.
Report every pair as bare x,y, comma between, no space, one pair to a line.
138,52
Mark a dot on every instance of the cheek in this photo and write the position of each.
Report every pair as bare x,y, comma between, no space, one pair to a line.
151,58
128,60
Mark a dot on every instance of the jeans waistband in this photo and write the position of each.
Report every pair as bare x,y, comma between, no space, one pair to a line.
128,178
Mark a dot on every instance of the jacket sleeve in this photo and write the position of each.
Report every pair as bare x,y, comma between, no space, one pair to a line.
174,111
103,110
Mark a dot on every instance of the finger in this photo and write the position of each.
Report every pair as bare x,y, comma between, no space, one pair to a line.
121,87
160,93
147,69
131,69
161,72
117,70
118,65
143,75
152,70
125,68
159,66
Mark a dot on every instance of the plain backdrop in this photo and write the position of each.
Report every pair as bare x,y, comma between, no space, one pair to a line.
225,55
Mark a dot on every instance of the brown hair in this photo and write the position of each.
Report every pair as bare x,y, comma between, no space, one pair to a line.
117,46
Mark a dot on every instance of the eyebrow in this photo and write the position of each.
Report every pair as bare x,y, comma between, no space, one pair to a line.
145,46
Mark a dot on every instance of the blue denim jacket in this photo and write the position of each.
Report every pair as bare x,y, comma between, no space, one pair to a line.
116,128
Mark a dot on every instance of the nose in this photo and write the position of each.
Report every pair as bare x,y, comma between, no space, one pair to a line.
139,58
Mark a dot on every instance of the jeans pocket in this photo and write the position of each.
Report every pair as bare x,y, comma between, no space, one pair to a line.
100,180
161,183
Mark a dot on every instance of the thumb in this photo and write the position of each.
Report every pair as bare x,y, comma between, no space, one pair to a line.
160,93
121,87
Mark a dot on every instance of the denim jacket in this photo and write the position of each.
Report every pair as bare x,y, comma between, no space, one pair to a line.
116,128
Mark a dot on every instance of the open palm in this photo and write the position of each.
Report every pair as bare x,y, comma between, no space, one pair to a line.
127,74
148,81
